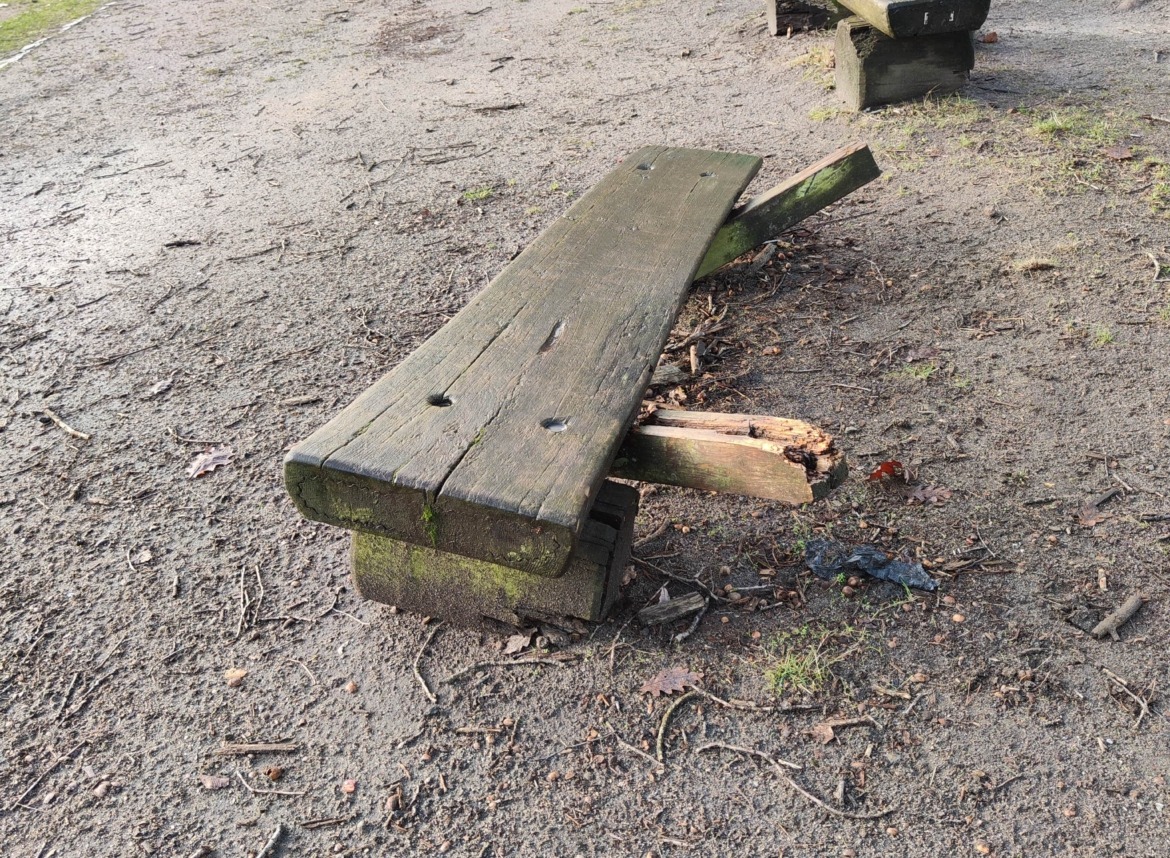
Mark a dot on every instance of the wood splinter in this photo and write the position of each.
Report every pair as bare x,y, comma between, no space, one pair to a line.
1118,618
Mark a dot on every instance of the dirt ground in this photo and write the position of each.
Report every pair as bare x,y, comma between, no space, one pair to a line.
223,220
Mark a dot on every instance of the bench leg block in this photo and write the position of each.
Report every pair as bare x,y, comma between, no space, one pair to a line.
463,591
874,69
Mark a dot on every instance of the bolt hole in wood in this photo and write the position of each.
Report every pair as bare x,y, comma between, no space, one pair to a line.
706,175
646,167
552,424
440,400
557,330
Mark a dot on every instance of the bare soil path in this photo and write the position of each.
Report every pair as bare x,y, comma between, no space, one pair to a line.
220,221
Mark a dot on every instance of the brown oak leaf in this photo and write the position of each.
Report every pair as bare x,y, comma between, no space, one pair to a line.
670,680
823,733
207,462
929,494
1089,516
517,643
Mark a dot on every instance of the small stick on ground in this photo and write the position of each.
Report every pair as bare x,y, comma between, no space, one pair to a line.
1118,618
778,766
255,791
239,749
272,841
63,426
417,674
660,745
471,668
683,635
44,775
635,750
1124,686
742,705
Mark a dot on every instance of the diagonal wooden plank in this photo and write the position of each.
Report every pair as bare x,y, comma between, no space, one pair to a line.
902,19
492,439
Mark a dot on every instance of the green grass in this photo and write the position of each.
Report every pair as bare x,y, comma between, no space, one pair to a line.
916,371
33,20
431,523
802,660
1102,337
474,195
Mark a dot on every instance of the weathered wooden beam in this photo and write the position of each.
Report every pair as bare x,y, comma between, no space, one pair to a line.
463,590
766,216
903,19
818,13
874,69
766,457
492,438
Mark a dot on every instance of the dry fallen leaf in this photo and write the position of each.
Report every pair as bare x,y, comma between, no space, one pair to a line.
207,462
274,773
989,38
1119,152
670,680
891,469
214,781
517,643
1089,516
235,676
823,733
929,494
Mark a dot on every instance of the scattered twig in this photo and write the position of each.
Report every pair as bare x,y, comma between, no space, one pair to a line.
417,674
45,774
683,635
471,668
778,766
660,745
1124,686
634,750
652,535
312,824
305,668
237,749
272,841
742,705
1158,269
1112,622
255,791
63,426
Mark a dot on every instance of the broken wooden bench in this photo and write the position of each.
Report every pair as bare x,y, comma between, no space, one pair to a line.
474,474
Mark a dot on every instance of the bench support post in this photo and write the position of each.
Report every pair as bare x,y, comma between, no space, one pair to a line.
462,590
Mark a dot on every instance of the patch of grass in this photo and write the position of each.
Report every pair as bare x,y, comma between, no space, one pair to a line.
1102,337
1055,125
1164,315
802,660
1032,264
818,65
823,114
916,371
474,195
37,19
961,383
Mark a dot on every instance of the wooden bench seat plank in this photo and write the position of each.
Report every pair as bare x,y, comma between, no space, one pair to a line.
901,19
492,439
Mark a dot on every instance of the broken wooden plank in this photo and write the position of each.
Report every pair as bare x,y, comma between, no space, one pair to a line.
491,439
672,609
768,215
462,590
874,69
903,19
766,457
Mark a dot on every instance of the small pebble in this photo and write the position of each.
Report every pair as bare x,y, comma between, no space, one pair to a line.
847,591
891,831
958,618
982,847
948,600
351,687
1069,812
553,776
101,789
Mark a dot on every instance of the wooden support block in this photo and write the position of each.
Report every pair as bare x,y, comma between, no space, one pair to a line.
874,69
904,19
766,457
819,14
462,590
768,215
492,438
675,609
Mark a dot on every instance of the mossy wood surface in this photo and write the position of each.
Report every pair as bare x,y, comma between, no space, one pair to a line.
766,457
492,439
903,19
874,69
766,216
463,591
